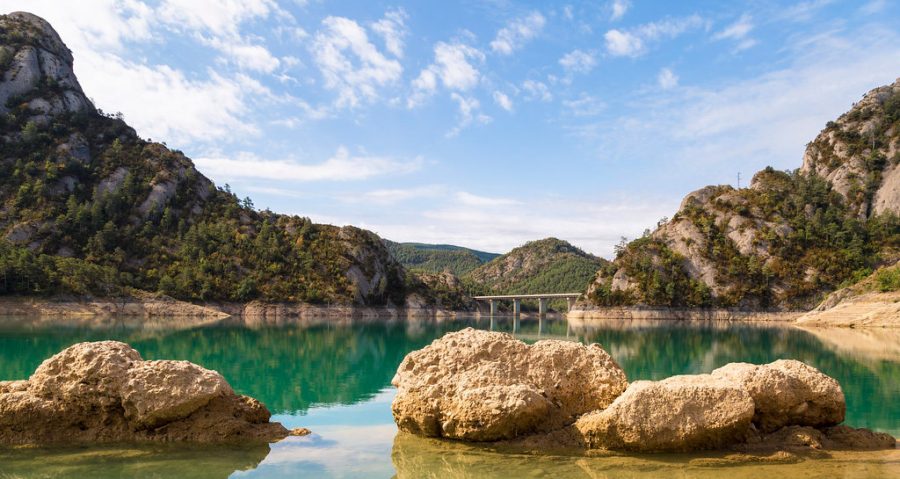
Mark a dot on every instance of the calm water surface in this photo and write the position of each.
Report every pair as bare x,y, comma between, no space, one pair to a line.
335,379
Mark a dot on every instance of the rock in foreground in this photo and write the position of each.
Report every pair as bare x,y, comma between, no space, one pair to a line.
480,386
486,386
681,413
105,392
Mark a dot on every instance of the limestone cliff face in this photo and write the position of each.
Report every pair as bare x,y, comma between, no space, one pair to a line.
860,151
89,207
33,57
786,240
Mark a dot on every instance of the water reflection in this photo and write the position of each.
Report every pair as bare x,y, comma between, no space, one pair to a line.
415,457
334,377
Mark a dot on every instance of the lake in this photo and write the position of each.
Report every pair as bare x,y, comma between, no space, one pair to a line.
334,378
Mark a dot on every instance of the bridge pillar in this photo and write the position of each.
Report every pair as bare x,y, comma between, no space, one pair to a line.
493,307
517,306
571,302
542,306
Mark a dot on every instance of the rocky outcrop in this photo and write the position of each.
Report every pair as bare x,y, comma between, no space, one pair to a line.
33,54
787,393
105,392
681,413
776,244
485,386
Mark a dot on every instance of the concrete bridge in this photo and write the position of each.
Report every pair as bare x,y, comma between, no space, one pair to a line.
517,300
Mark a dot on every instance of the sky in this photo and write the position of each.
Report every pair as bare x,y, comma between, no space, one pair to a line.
479,123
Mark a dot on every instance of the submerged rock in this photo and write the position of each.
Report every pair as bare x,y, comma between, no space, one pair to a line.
105,392
485,386
787,393
681,413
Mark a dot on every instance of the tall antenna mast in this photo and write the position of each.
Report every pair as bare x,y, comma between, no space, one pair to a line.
739,180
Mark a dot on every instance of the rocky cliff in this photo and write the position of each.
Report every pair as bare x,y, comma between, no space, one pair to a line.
87,207
785,241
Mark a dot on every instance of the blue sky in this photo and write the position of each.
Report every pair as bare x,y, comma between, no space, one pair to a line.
479,123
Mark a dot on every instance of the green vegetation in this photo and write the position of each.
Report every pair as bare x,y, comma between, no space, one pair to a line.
136,215
544,266
888,279
438,258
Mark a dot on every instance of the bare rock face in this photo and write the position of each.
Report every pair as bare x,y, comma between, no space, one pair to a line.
680,413
787,393
485,386
105,392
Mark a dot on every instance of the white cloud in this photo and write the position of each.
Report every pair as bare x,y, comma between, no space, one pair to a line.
568,12
220,17
635,42
452,66
518,32
618,8
667,79
397,195
537,90
246,56
503,100
874,6
469,199
585,105
392,28
341,167
737,30
350,63
468,113
578,61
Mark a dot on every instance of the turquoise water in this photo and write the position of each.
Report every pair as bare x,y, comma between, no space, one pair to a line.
335,380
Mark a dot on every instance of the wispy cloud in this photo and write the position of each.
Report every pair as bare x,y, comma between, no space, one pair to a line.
578,61
502,99
537,90
585,105
341,167
667,79
738,32
350,64
469,113
392,28
618,8
636,41
518,32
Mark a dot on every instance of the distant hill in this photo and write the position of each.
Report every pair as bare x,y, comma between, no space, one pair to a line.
788,239
436,258
545,266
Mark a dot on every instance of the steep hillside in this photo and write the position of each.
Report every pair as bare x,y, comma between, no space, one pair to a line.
88,207
544,266
436,258
785,241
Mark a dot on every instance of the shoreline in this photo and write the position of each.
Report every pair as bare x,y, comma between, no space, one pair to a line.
152,307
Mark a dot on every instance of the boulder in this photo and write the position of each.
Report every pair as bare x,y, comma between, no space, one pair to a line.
787,393
485,386
680,413
105,392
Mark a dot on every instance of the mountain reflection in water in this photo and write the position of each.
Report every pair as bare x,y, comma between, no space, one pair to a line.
334,377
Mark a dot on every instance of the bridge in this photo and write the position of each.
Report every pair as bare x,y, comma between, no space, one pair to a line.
517,300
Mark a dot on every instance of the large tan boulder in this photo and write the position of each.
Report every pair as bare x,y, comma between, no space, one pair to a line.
484,386
105,392
158,392
680,413
787,393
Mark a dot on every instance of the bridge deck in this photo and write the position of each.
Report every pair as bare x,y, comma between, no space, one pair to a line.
530,296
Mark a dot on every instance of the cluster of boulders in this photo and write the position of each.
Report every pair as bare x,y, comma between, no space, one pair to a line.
104,392
485,386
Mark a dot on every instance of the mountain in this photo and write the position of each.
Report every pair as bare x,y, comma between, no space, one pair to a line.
87,207
435,258
544,266
785,241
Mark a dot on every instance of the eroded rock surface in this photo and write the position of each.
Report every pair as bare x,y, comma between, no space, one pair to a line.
680,413
787,393
485,386
104,392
